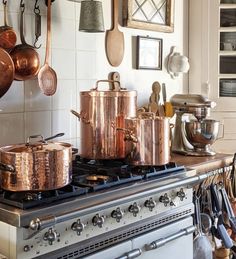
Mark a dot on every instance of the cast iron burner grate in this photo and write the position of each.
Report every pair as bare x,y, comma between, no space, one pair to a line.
90,176
26,200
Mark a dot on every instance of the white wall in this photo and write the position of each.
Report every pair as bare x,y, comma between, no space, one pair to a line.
79,59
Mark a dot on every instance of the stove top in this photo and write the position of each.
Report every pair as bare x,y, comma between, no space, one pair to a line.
90,176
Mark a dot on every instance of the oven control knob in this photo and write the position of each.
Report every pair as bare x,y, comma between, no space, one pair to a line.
150,204
134,209
98,220
78,226
117,214
50,236
181,194
165,199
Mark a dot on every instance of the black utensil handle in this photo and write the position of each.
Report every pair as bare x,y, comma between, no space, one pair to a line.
55,136
215,198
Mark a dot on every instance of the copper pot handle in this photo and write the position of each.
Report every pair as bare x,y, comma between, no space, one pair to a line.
107,81
81,116
129,136
7,168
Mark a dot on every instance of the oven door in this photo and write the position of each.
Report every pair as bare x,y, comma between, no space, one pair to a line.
113,252
172,241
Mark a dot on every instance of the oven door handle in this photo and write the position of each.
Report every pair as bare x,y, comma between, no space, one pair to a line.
162,241
132,254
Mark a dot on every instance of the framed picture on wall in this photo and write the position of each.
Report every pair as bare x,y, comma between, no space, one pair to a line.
149,53
155,15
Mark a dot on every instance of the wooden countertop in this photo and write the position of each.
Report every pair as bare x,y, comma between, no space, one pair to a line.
203,164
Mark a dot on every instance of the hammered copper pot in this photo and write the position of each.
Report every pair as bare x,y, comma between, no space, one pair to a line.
147,140
101,113
38,166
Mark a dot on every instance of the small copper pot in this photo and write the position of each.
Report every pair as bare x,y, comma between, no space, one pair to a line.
147,139
38,166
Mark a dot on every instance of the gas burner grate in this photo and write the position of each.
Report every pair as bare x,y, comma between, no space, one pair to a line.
111,181
26,200
157,171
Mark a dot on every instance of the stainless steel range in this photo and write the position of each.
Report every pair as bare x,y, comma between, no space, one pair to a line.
110,210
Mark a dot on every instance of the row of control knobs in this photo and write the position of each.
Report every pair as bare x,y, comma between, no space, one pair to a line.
98,220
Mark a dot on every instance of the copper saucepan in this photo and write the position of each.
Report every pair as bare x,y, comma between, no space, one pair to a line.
24,56
7,34
7,71
37,166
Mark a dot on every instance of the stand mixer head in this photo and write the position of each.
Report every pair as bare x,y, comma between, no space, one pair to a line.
193,137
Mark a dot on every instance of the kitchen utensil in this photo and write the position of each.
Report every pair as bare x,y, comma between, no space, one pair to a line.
91,16
37,24
115,40
147,139
219,226
7,72
155,98
7,34
101,113
202,134
25,57
115,77
37,166
186,106
229,210
201,245
47,77
167,105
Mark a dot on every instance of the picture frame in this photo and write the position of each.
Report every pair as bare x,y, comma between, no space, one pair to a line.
149,53
155,15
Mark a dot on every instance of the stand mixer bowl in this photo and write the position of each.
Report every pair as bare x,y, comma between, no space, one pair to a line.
202,134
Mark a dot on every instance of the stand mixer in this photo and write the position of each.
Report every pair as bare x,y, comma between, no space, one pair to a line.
193,137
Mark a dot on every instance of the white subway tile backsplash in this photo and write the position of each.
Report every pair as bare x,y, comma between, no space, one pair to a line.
38,123
35,100
9,102
61,30
86,65
65,96
63,62
85,41
11,128
64,121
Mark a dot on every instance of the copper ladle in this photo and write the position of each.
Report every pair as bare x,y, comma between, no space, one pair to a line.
24,56
7,34
47,77
7,71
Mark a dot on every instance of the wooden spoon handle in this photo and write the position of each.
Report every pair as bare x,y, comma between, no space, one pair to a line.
115,13
48,41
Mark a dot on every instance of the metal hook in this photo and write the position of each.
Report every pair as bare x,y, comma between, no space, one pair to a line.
35,42
4,2
36,7
22,5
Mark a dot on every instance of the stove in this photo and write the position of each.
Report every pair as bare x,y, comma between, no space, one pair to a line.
107,207
89,176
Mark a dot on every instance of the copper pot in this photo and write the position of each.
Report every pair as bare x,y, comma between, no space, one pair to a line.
38,166
147,139
101,112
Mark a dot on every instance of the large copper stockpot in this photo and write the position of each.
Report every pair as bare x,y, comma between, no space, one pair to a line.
147,139
101,113
38,166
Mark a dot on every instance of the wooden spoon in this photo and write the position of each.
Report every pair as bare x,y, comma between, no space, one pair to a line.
47,77
115,40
